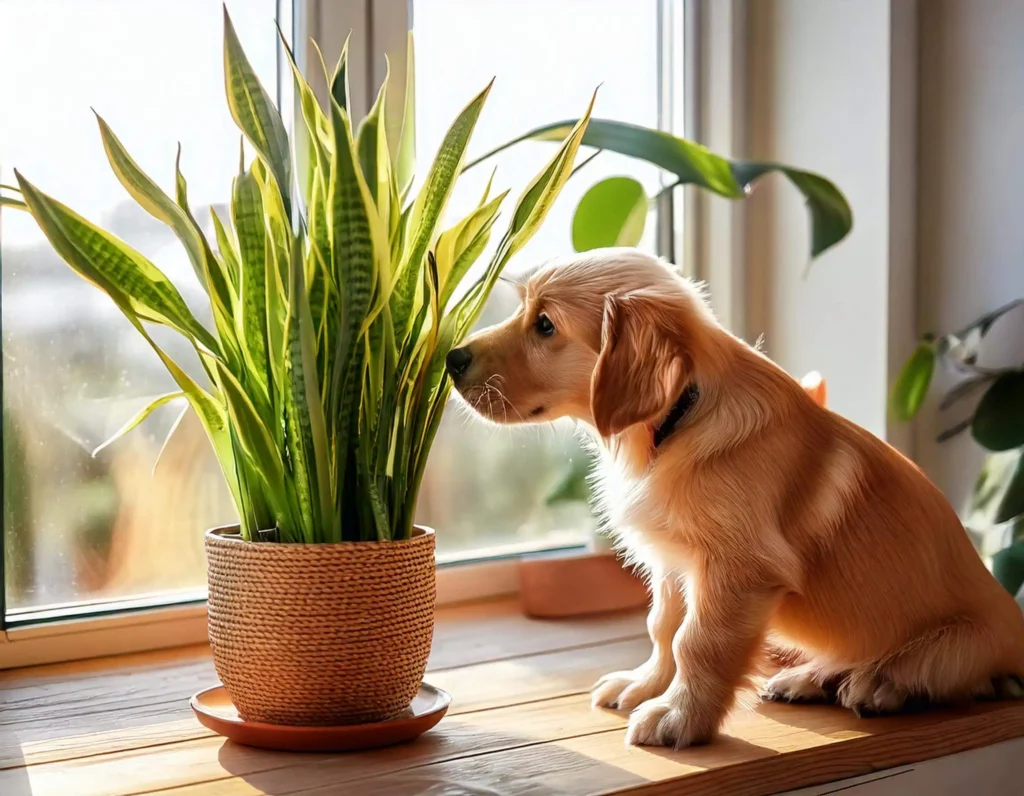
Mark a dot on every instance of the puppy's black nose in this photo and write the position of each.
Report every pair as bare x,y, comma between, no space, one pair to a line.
458,361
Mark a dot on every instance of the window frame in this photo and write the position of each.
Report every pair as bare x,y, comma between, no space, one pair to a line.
147,622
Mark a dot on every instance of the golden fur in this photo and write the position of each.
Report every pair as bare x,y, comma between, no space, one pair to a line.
764,519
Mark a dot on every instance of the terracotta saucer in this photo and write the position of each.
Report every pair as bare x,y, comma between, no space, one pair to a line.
214,710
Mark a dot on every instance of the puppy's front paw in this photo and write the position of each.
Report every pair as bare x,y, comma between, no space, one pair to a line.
664,722
626,690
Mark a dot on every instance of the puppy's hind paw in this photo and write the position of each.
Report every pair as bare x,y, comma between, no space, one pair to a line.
796,684
868,694
1008,687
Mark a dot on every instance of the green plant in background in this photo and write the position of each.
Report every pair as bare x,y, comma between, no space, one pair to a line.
996,423
333,309
614,211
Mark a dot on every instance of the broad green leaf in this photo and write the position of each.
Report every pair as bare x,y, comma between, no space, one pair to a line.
255,113
1008,567
113,266
428,209
999,419
1012,504
572,485
911,387
989,489
151,198
612,212
141,415
831,217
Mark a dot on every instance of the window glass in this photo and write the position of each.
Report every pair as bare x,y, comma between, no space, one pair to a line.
485,487
79,527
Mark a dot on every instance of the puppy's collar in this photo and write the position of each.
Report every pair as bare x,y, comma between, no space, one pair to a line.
676,414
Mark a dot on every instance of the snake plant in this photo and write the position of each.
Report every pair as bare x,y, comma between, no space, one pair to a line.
334,294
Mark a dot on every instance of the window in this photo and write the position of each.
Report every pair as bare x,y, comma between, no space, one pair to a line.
82,530
485,488
79,528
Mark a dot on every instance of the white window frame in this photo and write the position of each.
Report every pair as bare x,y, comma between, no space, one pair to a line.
148,622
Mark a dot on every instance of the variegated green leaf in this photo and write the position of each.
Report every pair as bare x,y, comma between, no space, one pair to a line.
141,415
339,80
113,266
304,414
251,321
151,198
459,247
255,113
428,209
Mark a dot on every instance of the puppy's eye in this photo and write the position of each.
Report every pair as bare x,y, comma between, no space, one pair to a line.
544,326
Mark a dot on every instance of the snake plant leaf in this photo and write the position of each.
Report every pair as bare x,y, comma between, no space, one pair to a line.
428,209
11,201
358,249
998,421
911,387
316,155
227,248
304,413
612,212
339,79
374,159
403,151
141,415
151,198
221,291
170,435
251,321
831,217
254,437
255,113
113,266
459,246
529,214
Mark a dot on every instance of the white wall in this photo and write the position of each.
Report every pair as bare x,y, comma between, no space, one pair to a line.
970,177
822,80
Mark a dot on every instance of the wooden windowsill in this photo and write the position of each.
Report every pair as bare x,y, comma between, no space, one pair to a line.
520,722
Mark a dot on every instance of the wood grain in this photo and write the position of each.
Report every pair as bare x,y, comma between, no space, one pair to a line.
521,723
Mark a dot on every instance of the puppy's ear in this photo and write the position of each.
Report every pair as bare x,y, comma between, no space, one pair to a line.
641,368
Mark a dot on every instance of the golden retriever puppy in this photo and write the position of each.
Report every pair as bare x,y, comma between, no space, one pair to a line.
761,517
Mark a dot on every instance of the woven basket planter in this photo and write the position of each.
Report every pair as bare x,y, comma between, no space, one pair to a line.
325,634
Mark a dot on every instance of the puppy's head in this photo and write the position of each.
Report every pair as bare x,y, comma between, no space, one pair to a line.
607,337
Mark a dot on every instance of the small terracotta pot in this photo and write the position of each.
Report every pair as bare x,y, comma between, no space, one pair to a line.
324,634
